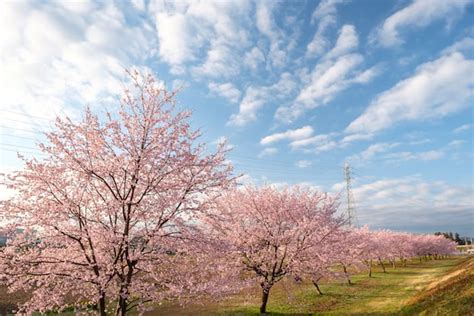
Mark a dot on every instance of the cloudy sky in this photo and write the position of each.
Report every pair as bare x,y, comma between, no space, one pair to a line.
297,88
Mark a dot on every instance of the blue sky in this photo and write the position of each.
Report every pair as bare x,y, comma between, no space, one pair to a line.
297,88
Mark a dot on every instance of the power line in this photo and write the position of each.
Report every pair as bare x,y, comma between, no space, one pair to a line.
26,122
23,152
18,136
20,146
22,129
28,115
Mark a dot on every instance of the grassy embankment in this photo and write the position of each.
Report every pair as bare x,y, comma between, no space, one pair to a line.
436,287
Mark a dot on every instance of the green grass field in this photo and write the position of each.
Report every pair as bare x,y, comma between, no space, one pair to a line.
436,287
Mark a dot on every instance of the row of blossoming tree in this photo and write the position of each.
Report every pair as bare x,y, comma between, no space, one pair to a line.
128,210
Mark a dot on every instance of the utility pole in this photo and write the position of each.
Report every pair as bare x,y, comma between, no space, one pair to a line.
352,220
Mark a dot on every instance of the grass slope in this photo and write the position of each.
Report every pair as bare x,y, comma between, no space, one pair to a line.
435,288
451,295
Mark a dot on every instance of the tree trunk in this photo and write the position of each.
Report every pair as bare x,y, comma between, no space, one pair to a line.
393,264
383,266
102,305
370,268
266,292
124,290
346,274
122,307
317,288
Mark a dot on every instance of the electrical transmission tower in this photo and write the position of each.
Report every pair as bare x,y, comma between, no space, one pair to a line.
351,212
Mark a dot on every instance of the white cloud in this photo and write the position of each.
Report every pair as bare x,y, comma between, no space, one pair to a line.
421,156
372,151
256,97
223,141
139,4
326,142
325,17
437,89
174,35
338,187
186,29
226,90
254,58
338,69
267,26
265,23
246,179
326,147
5,193
410,203
253,100
420,13
381,152
269,151
456,143
356,137
462,128
327,80
346,42
420,141
430,155
366,76
303,164
308,141
464,45
317,143
179,84
292,135
51,62
220,62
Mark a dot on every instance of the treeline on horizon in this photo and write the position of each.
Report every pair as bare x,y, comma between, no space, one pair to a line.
456,238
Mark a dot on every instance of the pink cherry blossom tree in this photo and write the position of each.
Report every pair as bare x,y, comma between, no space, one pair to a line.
272,233
109,215
354,249
319,264
383,246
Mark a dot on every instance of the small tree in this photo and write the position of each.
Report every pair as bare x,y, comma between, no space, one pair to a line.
319,263
108,215
355,250
273,233
458,239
